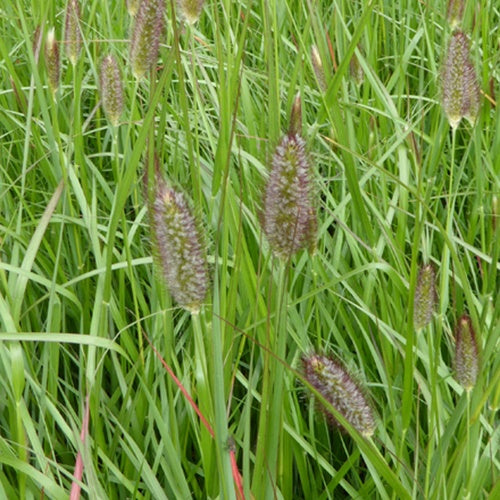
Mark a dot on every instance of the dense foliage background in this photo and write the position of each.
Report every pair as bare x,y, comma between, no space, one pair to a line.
394,188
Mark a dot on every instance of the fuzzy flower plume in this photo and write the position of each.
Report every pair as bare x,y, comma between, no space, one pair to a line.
331,379
425,297
72,33
460,90
191,9
289,218
52,61
179,250
466,353
148,29
111,89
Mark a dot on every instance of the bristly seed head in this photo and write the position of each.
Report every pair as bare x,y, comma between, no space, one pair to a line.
289,218
425,297
148,29
179,250
72,33
111,89
466,353
191,9
52,61
332,380
460,90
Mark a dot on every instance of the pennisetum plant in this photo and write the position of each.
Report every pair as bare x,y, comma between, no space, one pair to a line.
72,33
460,89
425,296
190,9
111,89
466,353
179,248
52,61
147,32
334,382
289,218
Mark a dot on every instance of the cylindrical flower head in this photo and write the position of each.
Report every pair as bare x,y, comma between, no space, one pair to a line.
52,61
72,33
289,219
425,297
466,353
460,90
338,387
148,29
179,249
191,9
111,89
455,12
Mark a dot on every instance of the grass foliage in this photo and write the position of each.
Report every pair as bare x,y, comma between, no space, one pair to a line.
395,188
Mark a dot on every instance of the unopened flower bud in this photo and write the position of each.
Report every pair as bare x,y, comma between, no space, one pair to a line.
460,90
72,33
466,353
425,297
111,89
52,61
191,9
148,29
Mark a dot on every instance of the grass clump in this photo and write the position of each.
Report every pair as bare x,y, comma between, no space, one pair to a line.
112,387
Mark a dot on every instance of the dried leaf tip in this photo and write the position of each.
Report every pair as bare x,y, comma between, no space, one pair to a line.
191,9
466,353
178,248
425,297
72,33
147,32
52,61
460,90
111,89
332,380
